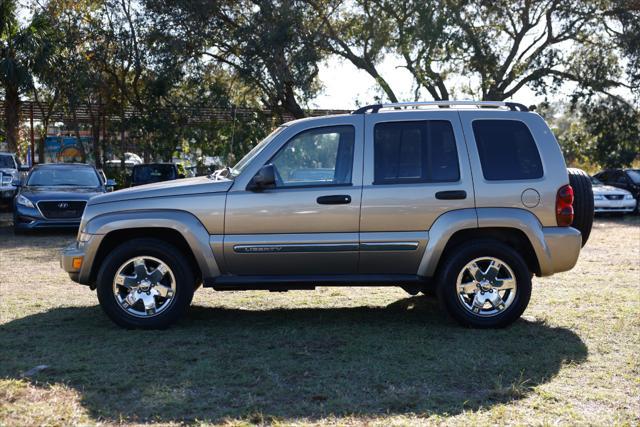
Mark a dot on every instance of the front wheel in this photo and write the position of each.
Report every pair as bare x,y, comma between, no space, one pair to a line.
145,283
485,284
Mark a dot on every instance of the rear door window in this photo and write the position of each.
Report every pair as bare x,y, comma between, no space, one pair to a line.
416,151
507,150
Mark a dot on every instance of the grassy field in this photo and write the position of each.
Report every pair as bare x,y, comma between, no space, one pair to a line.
337,355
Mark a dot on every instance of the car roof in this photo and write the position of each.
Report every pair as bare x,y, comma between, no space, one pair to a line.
63,165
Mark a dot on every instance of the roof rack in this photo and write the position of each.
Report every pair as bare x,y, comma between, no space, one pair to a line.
374,108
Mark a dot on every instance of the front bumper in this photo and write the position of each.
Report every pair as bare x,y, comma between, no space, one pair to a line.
86,251
601,206
7,192
26,218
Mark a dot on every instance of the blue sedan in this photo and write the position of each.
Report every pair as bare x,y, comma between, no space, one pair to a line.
55,195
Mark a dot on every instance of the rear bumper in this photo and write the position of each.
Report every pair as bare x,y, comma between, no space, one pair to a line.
561,249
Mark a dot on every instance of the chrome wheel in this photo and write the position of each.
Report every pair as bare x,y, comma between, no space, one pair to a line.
144,286
486,286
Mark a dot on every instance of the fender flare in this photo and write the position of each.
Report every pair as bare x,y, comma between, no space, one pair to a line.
453,221
189,227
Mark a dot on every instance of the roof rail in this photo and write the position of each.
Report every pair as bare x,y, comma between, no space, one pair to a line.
374,108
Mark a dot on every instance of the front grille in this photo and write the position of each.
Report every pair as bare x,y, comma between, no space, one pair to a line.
62,209
614,196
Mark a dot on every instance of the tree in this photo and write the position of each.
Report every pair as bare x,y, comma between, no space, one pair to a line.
23,51
496,47
614,130
268,44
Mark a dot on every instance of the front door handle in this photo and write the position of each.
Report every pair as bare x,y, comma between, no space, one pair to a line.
339,199
451,195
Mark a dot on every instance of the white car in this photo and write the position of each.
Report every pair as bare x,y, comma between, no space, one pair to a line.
611,199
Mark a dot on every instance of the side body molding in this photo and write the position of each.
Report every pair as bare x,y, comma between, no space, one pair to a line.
441,231
183,222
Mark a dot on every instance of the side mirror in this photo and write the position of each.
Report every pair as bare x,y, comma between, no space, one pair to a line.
23,168
265,178
16,182
110,184
181,175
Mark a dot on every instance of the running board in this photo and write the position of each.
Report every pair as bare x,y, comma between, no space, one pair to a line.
283,283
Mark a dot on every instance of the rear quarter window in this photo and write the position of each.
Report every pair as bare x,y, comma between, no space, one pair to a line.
507,150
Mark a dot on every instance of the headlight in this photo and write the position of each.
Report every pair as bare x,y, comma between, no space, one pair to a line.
598,197
83,237
21,200
628,196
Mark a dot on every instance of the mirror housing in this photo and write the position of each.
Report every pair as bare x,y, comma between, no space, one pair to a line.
110,184
265,178
16,182
23,168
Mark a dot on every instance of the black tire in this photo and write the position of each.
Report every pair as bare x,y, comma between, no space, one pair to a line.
167,253
456,262
582,202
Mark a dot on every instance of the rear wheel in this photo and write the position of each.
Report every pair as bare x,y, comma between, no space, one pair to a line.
485,284
145,283
582,202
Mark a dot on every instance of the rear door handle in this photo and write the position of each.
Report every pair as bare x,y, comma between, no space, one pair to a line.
339,199
451,195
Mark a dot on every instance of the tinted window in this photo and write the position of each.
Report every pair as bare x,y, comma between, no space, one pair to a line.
634,174
316,157
63,176
153,173
507,150
420,151
7,162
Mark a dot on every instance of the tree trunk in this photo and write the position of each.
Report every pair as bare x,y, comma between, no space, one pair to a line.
12,117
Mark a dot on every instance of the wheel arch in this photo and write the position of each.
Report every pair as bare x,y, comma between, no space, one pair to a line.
178,228
516,227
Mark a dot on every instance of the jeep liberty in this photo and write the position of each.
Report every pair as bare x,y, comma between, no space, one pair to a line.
467,200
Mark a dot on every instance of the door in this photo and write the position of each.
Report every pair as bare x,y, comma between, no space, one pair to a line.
416,169
308,224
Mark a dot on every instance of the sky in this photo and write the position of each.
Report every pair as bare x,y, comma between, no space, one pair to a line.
345,86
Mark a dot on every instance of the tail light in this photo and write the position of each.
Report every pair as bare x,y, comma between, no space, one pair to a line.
564,206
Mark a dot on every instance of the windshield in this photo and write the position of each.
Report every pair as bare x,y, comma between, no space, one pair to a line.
634,174
7,162
239,167
153,173
595,181
62,177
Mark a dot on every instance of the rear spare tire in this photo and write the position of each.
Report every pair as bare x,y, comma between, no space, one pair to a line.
582,202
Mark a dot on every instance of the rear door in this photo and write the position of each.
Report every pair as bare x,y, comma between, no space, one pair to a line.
416,169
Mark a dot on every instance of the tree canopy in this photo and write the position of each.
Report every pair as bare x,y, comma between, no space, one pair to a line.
154,57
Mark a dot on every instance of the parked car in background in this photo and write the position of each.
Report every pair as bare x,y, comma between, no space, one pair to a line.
627,179
154,172
611,199
10,169
54,195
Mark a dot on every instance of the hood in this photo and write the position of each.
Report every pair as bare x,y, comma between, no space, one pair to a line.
179,187
36,194
608,189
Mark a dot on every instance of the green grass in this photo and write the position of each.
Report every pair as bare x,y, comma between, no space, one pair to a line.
336,355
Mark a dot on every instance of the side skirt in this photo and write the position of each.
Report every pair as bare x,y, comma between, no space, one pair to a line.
285,283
